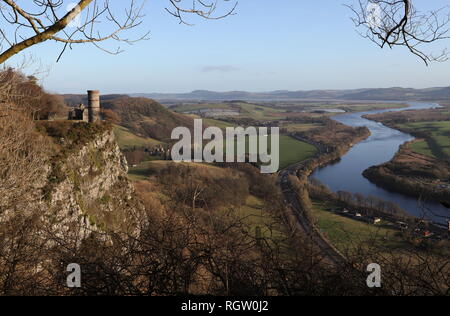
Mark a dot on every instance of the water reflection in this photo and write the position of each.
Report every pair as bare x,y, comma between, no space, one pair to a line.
380,147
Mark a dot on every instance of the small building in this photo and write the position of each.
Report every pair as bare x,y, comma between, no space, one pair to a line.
79,113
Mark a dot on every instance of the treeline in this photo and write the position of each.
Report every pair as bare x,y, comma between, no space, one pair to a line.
406,185
204,187
368,206
218,186
404,117
25,93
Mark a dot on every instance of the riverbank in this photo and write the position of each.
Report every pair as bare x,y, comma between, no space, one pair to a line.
346,174
421,167
413,174
432,126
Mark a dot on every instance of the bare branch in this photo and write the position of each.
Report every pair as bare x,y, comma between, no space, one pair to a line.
40,21
395,23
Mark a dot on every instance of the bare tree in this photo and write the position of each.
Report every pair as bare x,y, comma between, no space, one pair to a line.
393,23
23,154
27,25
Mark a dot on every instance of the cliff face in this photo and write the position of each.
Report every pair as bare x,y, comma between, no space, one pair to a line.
89,188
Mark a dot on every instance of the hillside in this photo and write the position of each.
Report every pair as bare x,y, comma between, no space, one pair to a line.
146,117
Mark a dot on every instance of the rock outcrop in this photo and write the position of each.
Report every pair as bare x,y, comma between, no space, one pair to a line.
89,189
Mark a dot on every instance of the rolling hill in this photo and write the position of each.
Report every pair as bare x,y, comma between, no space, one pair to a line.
145,117
386,94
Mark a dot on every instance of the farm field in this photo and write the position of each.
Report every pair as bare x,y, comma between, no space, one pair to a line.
291,150
200,106
258,112
217,123
345,233
301,127
438,145
247,110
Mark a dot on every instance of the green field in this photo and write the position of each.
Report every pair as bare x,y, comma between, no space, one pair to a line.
248,110
126,139
421,147
346,233
438,145
201,106
302,127
291,150
217,123
261,113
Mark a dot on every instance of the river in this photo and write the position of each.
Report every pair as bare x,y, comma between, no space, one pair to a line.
380,147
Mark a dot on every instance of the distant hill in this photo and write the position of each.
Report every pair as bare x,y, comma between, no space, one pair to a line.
75,99
146,117
386,94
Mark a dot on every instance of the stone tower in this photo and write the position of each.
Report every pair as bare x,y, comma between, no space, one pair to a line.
94,106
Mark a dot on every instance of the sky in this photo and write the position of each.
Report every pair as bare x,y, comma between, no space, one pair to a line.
267,45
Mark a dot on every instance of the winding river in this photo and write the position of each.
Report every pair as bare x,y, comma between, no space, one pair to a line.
380,147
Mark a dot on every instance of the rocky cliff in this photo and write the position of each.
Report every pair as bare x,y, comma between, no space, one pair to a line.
86,186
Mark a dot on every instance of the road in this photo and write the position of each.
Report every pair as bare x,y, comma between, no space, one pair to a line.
303,223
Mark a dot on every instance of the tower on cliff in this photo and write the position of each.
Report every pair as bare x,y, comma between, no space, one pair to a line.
94,106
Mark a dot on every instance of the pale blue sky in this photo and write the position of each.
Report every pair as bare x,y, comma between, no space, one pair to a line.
267,45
